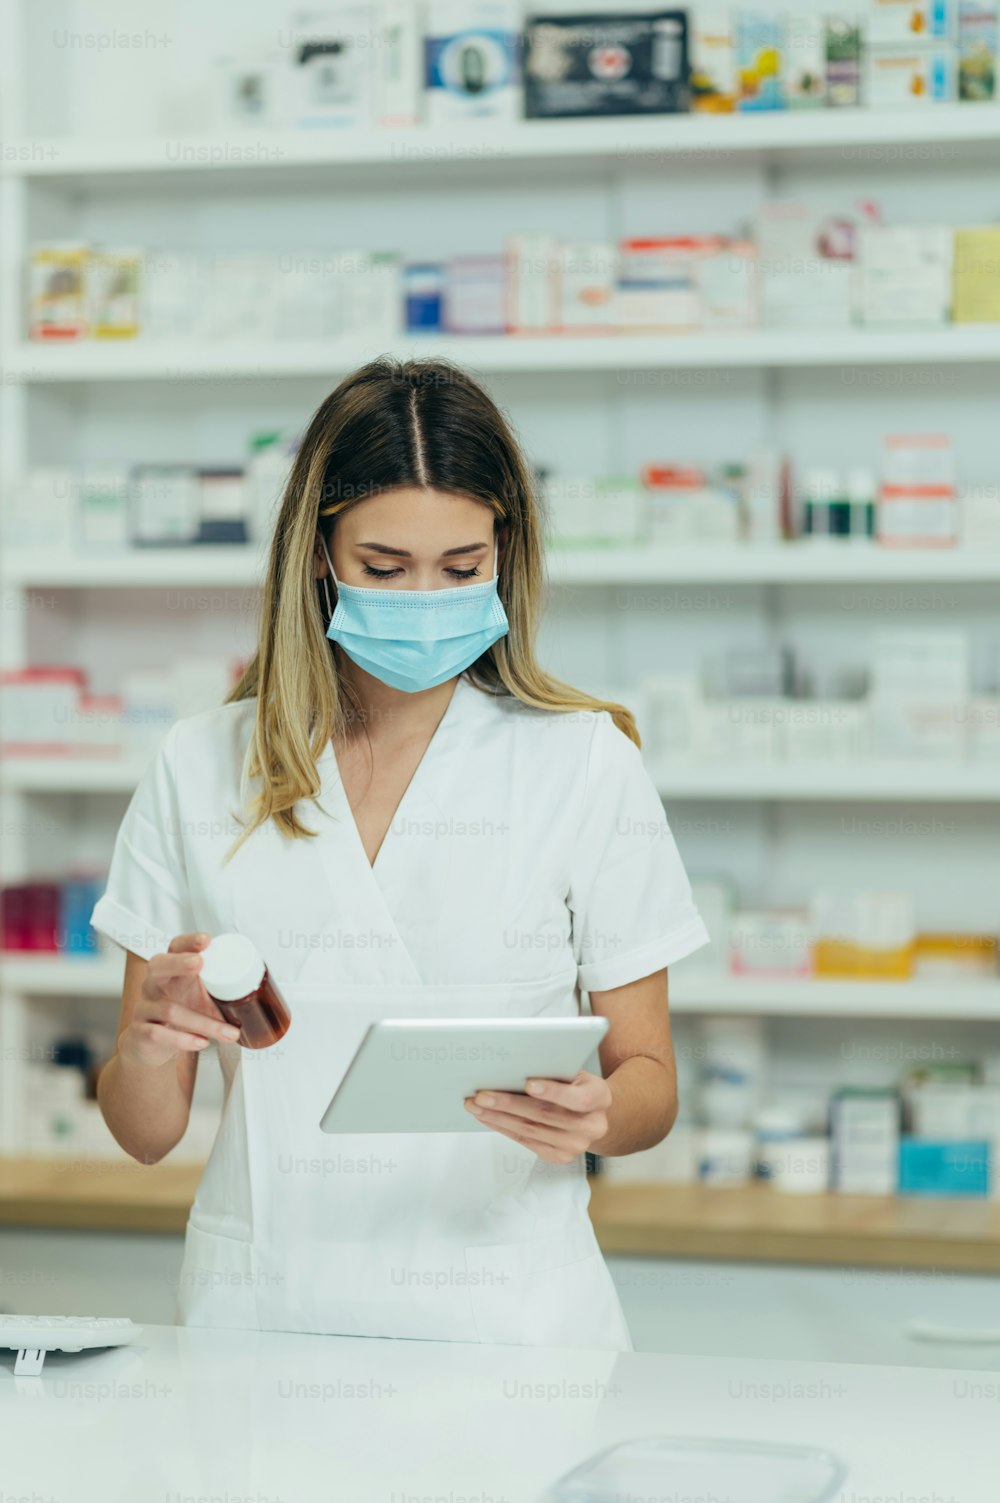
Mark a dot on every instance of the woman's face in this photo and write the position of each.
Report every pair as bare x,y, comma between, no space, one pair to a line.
411,539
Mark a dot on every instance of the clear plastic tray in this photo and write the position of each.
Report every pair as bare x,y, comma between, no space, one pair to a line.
676,1467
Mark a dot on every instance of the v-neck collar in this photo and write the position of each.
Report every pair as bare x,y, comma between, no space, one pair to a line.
332,784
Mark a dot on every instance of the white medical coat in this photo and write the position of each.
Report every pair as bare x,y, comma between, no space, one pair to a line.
529,860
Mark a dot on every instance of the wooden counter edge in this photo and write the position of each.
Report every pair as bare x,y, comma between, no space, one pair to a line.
629,1219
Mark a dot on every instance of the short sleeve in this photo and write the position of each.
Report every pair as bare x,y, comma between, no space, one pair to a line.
146,901
630,898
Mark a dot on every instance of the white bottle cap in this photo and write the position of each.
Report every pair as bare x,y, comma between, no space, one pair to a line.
231,967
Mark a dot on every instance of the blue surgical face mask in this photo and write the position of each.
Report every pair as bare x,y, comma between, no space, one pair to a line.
415,639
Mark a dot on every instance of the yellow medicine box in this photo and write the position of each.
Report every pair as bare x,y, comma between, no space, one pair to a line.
976,276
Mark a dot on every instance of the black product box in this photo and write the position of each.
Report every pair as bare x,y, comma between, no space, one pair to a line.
606,65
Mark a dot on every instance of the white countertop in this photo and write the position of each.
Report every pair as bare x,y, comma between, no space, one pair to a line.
195,1416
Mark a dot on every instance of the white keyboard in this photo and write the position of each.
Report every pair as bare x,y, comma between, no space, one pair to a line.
31,1336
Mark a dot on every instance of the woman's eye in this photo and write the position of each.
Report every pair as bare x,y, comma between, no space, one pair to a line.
464,573
378,573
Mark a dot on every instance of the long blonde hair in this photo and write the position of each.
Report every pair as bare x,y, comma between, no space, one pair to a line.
393,423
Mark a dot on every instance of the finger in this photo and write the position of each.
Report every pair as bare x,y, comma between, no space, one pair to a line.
551,1155
538,1132
177,976
182,943
523,1106
190,1020
174,1038
585,1093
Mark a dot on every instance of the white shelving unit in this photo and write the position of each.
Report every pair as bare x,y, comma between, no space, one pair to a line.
690,992
753,349
582,404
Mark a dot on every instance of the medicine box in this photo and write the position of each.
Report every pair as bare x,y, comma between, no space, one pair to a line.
588,281
976,290
843,62
57,302
398,62
903,76
902,22
977,50
770,944
658,283
806,264
113,282
606,64
927,1167
533,262
475,295
727,285
714,74
760,41
472,60
905,274
330,82
917,505
805,60
864,1130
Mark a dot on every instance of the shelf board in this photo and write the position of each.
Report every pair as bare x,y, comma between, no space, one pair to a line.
199,566
170,360
232,567
71,774
760,1224
847,782
753,1223
809,997
100,975
780,563
690,992
619,142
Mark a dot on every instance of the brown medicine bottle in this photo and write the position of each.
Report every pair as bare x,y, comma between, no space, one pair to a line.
238,982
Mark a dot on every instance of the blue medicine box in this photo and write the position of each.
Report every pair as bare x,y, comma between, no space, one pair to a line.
929,1167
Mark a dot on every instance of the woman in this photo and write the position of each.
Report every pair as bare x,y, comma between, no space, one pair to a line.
423,824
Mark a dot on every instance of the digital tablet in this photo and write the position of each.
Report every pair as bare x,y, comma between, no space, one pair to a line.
414,1076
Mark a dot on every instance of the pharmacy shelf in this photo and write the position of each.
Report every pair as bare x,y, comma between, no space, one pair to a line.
207,566
931,782
916,782
961,1000
746,1222
762,349
54,774
784,563
98,975
760,1224
955,1000
619,142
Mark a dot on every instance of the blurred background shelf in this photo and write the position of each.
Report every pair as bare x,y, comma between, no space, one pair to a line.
784,563
78,162
967,1000
744,1223
774,349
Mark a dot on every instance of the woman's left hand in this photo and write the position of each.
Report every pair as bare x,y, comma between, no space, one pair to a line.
557,1119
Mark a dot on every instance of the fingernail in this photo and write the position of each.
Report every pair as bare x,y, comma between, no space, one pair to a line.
485,1100
536,1088
471,1106
232,1034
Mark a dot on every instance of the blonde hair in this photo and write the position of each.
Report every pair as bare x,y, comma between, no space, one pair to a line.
393,423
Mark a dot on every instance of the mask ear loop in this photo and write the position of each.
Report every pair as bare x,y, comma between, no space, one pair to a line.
326,582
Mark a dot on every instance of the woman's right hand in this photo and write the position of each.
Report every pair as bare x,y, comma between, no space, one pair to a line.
174,1013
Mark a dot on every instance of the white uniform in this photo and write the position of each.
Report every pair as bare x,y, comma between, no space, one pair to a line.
529,859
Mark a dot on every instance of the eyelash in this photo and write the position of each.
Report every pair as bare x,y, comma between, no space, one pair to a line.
390,573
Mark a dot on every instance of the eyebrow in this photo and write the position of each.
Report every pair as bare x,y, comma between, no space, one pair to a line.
403,552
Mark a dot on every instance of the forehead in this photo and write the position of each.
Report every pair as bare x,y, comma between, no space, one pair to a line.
422,516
